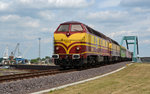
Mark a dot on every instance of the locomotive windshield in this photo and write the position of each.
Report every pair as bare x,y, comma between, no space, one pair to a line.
76,28
63,28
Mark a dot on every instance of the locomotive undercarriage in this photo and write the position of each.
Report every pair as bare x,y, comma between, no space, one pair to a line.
91,60
71,63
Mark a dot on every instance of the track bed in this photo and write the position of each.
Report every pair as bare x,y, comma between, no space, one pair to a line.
46,82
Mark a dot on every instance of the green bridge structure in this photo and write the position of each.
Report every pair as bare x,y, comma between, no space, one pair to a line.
132,40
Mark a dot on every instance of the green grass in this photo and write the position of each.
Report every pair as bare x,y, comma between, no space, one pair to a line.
134,79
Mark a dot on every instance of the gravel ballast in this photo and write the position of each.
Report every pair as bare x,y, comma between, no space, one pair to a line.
46,82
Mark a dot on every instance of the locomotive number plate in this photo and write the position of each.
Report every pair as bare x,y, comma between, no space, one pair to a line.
68,41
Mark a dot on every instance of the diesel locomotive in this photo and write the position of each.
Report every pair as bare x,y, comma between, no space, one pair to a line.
76,44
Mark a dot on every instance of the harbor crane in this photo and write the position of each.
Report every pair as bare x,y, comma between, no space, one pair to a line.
5,59
18,58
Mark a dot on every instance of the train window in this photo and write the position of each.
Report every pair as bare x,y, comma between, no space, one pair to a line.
76,28
89,37
103,43
107,44
85,28
96,42
63,28
92,39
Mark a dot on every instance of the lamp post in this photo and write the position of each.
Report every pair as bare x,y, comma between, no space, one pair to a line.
39,49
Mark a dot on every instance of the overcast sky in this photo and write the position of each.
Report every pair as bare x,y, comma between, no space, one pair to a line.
24,21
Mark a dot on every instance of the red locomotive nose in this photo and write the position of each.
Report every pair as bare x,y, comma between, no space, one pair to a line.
67,34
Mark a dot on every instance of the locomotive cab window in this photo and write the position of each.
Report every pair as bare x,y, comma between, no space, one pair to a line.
76,28
63,28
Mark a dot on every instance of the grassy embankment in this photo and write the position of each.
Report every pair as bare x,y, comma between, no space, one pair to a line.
134,79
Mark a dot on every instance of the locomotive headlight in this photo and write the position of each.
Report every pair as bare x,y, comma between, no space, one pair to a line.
57,48
78,48
68,34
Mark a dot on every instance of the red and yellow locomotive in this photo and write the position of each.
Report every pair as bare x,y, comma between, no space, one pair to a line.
76,44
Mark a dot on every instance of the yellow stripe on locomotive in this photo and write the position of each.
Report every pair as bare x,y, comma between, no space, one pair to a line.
79,39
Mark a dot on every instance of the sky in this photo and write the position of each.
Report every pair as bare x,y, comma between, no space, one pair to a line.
24,21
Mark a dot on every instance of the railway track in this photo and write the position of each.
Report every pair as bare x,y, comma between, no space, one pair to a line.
40,73
32,75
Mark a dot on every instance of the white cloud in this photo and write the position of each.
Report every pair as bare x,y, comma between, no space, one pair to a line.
108,16
144,33
31,24
19,21
8,18
145,41
26,1
122,33
47,40
45,29
135,3
55,3
109,3
46,15
48,30
69,3
91,25
30,35
141,10
148,29
3,6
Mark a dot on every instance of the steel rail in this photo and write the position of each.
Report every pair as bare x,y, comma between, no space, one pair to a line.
31,75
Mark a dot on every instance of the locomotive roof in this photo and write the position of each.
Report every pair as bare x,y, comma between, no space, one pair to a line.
92,31
114,41
101,35
72,22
